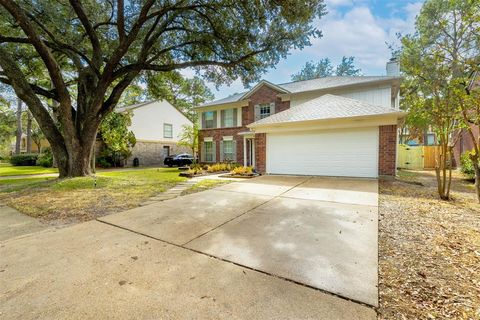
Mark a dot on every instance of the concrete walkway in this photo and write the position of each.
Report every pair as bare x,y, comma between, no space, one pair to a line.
14,224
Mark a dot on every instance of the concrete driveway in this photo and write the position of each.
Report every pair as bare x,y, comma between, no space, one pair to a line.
273,247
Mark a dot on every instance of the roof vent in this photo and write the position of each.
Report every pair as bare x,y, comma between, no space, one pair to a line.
393,68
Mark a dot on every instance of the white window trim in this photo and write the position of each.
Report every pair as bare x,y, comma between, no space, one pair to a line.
208,139
171,130
227,138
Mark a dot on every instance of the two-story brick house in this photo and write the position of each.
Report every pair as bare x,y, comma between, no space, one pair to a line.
334,126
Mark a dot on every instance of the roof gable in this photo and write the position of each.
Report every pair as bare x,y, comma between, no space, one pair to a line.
326,107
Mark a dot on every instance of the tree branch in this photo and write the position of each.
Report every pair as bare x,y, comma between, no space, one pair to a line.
97,49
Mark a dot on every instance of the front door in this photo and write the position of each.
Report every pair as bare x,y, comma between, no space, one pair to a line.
166,151
250,152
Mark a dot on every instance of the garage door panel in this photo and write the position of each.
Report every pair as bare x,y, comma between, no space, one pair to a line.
352,152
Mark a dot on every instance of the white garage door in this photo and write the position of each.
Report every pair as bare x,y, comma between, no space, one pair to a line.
345,152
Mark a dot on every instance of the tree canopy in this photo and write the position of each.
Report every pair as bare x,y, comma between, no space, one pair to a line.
324,68
437,61
70,61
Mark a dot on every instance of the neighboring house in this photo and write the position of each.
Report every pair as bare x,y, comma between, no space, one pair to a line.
157,126
465,142
333,126
23,145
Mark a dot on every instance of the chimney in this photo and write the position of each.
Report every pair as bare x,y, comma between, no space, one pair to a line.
393,68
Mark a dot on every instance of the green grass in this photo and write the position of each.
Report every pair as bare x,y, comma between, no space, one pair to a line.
11,185
7,170
85,198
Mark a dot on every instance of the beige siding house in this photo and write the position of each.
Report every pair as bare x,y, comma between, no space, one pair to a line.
157,126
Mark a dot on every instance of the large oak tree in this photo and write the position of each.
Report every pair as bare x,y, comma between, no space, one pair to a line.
71,60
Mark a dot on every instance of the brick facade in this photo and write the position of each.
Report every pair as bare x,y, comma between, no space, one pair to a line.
151,152
387,151
265,94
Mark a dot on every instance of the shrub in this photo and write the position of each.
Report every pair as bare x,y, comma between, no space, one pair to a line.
218,167
242,171
27,159
467,165
103,162
45,159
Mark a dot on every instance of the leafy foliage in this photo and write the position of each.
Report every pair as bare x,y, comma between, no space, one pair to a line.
25,159
7,123
324,68
467,164
183,93
45,159
117,137
435,61
189,137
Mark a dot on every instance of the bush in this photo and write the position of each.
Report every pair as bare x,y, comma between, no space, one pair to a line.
46,158
244,171
103,162
218,167
467,165
27,159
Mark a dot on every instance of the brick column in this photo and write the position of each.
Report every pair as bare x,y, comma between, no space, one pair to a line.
260,152
387,150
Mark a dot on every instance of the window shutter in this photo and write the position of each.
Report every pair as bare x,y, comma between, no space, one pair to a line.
214,151
235,124
222,118
221,151
215,119
234,157
202,152
203,120
256,109
272,108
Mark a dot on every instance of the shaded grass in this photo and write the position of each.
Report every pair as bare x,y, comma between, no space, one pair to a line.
11,185
7,170
85,198
205,185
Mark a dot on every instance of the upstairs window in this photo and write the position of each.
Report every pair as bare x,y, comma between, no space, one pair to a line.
265,110
209,119
228,119
167,130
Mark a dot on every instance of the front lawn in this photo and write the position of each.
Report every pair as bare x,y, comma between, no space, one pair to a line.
7,170
81,199
429,250
205,184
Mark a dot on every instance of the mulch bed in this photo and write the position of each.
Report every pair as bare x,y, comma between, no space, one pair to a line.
429,250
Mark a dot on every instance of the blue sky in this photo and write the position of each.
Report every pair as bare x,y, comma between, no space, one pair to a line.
357,28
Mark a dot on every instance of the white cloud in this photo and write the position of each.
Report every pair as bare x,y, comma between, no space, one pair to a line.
357,32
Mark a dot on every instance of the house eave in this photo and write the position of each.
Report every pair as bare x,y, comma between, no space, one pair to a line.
331,123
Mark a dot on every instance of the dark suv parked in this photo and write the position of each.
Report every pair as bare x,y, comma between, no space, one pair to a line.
179,160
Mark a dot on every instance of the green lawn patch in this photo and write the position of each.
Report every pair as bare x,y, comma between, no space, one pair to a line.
7,170
85,198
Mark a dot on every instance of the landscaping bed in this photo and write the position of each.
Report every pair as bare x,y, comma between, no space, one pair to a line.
429,250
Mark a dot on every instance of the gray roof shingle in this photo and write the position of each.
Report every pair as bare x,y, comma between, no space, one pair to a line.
325,107
310,85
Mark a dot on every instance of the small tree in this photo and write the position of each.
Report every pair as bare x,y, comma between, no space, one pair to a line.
435,61
116,136
189,138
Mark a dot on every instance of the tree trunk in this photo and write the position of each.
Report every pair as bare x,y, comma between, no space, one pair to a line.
29,133
73,155
476,167
18,140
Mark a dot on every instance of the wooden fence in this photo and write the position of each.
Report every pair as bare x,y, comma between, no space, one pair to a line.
417,157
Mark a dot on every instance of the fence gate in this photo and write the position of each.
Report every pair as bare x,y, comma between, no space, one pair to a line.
410,157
